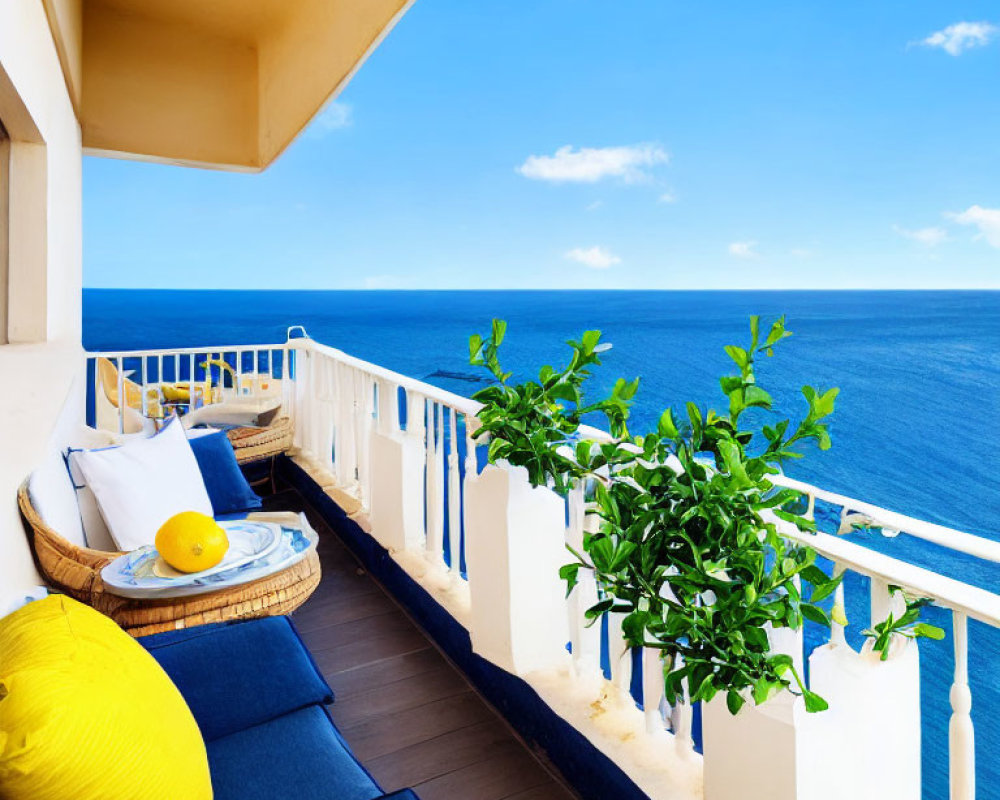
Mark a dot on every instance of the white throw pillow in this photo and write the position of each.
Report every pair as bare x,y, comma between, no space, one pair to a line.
95,529
54,494
54,498
143,483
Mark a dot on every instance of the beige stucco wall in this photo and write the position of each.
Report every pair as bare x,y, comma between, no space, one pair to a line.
42,374
66,23
167,88
320,39
227,84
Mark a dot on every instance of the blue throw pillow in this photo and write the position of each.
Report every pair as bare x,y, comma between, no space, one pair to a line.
227,488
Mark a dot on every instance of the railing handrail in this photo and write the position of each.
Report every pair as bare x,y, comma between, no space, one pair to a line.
461,404
977,603
183,351
949,538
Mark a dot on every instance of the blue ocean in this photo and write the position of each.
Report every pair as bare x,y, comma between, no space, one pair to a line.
916,430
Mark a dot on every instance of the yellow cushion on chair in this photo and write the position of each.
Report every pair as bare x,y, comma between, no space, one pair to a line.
86,713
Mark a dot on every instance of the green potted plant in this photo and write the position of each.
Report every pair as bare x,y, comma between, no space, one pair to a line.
687,545
515,504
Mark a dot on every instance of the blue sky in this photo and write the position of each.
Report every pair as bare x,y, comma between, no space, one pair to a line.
584,144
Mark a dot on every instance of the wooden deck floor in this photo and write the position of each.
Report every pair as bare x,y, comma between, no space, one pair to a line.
408,714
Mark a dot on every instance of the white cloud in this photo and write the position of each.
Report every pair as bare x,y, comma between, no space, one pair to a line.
667,197
595,205
333,117
801,252
594,257
592,164
743,249
962,36
986,219
928,237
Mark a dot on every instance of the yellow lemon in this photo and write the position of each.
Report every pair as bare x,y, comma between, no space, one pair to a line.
191,542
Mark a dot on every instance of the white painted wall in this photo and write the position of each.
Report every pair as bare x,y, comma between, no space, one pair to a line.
42,396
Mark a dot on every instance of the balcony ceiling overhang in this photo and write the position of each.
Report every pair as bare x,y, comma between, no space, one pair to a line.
223,83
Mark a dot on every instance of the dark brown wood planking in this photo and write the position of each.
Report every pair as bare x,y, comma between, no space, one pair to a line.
405,710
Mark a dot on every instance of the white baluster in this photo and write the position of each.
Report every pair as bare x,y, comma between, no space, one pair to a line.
471,470
336,410
574,611
652,690
586,596
839,609
454,543
309,399
191,367
619,653
288,389
142,383
961,736
435,482
429,506
296,392
303,391
121,395
366,423
471,467
324,411
319,410
388,407
681,719
314,408
355,422
883,603
346,458
416,408
358,420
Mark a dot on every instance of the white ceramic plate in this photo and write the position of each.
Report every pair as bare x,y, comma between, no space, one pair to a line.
248,542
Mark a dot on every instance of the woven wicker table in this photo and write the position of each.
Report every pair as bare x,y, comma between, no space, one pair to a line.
257,444
77,572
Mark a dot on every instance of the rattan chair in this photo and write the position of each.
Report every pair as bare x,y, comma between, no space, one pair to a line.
77,572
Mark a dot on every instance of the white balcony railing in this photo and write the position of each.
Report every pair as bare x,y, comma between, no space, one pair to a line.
397,454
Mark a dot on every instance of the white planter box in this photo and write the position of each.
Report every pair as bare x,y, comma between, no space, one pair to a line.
866,745
397,491
515,545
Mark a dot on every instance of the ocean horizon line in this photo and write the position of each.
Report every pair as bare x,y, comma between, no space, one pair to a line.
919,290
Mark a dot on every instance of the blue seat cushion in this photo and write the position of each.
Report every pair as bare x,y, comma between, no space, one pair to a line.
239,674
298,756
227,487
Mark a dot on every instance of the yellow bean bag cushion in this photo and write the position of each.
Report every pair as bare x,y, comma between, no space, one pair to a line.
87,714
